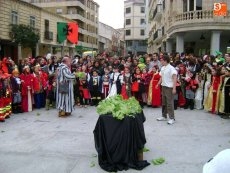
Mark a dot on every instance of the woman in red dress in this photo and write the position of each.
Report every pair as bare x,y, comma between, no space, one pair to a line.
27,86
154,92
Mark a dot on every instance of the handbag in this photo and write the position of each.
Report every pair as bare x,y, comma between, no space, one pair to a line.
17,98
63,87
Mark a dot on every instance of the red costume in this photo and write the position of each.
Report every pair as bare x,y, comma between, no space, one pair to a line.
215,87
156,92
27,86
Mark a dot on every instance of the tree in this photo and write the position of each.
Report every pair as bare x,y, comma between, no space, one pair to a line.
25,35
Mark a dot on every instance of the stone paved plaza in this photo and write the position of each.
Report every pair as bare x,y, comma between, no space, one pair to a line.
40,142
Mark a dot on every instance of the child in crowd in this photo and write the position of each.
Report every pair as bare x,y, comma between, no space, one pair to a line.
138,85
16,92
199,92
190,89
95,87
126,84
115,82
105,80
50,92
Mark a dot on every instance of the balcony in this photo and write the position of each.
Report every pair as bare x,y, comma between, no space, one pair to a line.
157,13
198,20
48,35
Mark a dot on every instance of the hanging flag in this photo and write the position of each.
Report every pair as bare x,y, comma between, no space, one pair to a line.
62,29
72,32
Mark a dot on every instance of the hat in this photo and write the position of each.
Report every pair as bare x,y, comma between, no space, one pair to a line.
142,60
218,53
219,164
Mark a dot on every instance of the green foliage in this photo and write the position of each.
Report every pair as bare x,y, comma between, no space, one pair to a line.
25,35
158,161
119,107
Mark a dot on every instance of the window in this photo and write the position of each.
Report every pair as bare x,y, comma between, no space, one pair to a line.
142,32
128,21
129,43
192,5
142,9
59,11
32,21
14,17
128,10
47,25
142,21
127,32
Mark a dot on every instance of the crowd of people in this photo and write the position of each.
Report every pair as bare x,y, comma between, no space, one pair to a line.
50,82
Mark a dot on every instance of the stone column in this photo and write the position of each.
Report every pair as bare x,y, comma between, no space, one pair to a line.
180,42
71,51
37,50
215,42
51,49
19,51
169,46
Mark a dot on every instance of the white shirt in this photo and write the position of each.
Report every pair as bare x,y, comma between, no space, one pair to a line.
166,75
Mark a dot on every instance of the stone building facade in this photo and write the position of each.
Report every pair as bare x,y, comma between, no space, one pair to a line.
135,26
187,26
45,22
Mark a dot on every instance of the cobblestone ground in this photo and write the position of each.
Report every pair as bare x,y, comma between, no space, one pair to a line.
40,142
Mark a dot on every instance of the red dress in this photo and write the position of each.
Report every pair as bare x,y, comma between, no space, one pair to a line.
215,87
156,92
27,85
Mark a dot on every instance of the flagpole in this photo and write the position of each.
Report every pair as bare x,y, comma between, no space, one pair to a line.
62,49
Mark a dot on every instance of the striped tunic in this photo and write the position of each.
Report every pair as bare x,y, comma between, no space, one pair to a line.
65,102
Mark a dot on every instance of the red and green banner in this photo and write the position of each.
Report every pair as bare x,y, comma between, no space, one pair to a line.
67,31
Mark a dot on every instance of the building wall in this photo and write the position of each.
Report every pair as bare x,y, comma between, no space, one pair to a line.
134,40
191,25
111,38
84,12
25,10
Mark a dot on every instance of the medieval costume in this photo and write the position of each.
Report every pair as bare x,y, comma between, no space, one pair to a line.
105,88
50,92
64,92
199,92
26,88
126,84
190,89
95,87
224,108
207,83
154,94
115,82
39,83
211,103
138,85
16,92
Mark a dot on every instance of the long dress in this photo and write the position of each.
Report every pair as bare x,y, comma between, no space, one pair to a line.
115,84
126,86
154,93
212,98
65,101
27,95
199,95
207,97
225,97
